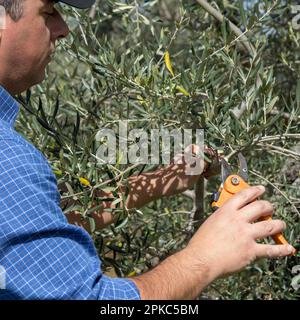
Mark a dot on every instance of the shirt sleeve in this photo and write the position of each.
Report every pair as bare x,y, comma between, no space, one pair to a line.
42,256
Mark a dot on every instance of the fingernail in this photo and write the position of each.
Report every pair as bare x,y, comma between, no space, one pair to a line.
283,225
261,188
290,248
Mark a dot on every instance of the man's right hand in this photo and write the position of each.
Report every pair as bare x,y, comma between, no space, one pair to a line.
226,242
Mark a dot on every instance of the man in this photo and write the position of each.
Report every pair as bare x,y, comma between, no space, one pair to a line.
43,256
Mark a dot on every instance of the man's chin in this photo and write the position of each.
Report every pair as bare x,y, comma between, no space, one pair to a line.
39,78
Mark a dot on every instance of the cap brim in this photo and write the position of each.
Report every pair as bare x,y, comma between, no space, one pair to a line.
80,4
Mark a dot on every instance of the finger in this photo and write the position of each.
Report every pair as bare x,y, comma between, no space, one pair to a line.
267,228
190,153
257,209
214,165
273,251
193,149
244,197
196,149
194,162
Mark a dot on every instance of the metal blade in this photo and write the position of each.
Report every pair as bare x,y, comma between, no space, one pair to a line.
243,172
226,170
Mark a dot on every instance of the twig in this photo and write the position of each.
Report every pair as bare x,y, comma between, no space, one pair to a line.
221,18
165,11
190,194
273,185
279,137
284,115
93,9
283,150
264,139
196,215
114,179
199,200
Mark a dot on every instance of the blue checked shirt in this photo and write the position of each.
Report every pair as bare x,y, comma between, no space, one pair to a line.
41,255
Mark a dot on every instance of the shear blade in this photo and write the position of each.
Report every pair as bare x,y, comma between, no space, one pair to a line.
226,170
243,172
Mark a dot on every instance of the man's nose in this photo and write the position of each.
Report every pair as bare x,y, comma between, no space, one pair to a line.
60,29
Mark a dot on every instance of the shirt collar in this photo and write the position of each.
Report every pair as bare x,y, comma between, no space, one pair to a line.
9,107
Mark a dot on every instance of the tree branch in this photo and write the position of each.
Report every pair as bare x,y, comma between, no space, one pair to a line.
221,18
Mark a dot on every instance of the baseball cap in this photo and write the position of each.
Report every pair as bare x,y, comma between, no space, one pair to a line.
80,4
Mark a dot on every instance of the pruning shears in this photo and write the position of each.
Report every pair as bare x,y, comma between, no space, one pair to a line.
233,183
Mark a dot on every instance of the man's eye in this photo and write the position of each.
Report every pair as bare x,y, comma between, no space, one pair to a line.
49,13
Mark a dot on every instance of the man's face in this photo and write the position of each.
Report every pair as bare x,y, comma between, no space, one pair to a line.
26,45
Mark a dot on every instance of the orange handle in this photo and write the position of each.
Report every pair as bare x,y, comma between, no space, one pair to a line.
234,184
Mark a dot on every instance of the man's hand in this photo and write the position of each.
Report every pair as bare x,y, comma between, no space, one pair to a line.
184,171
224,244
214,167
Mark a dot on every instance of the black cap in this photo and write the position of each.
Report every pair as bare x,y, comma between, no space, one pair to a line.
81,4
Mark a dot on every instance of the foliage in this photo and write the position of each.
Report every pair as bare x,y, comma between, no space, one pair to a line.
112,68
